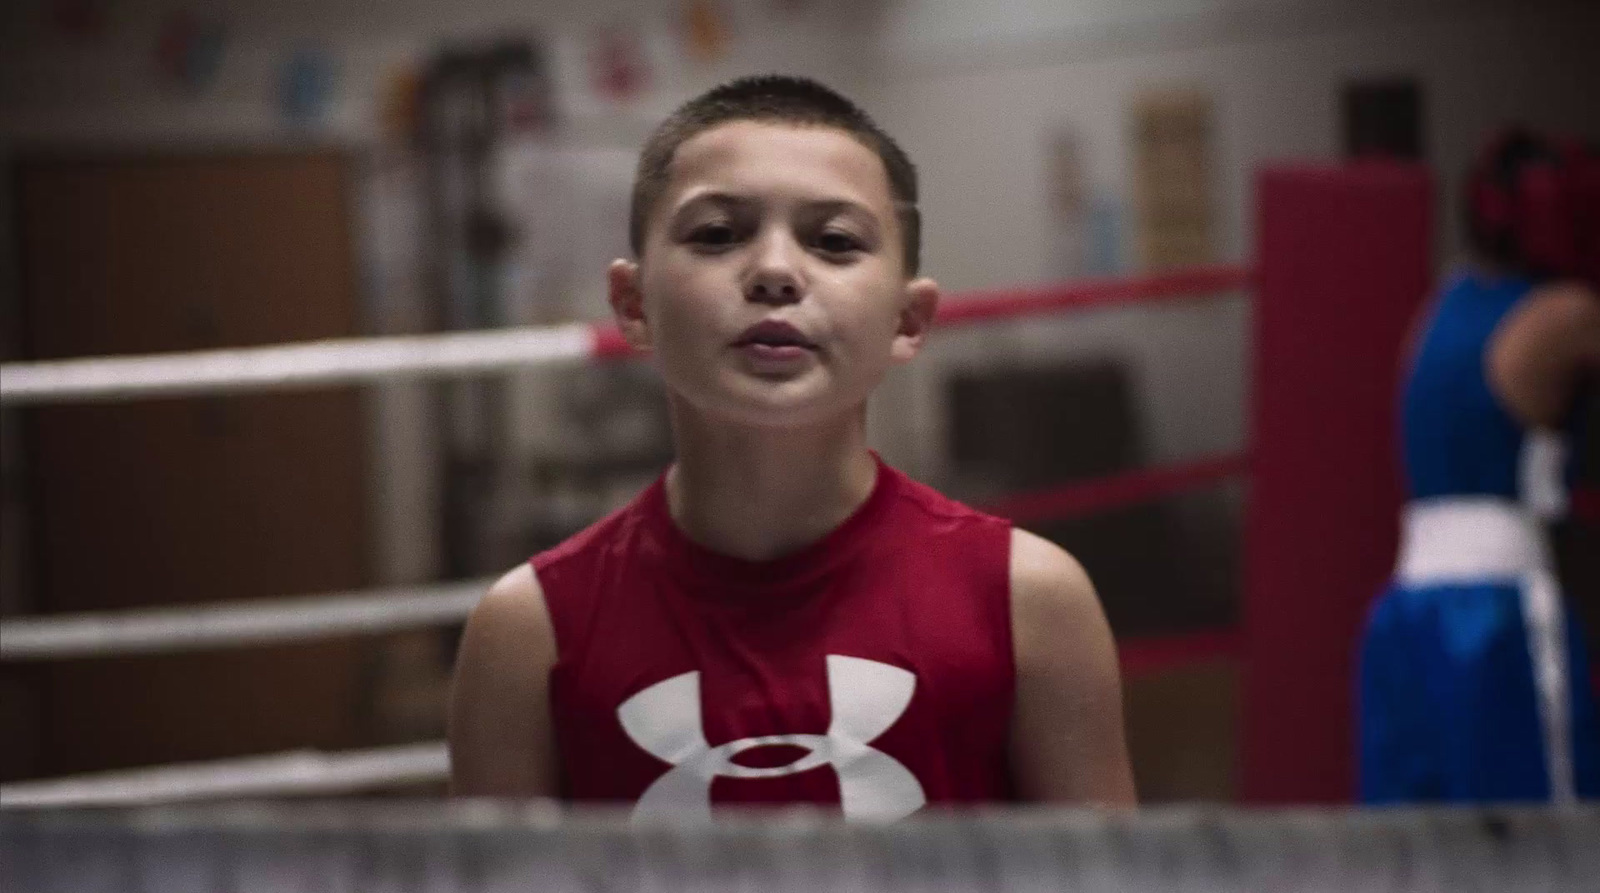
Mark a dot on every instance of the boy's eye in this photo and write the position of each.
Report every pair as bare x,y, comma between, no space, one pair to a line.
834,242
713,234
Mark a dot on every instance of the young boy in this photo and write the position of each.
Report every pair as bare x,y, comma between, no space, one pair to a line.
782,618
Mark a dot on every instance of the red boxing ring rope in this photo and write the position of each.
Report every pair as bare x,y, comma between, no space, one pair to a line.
1116,490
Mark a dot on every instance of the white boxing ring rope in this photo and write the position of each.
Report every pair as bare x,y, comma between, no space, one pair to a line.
255,622
332,362
294,618
296,773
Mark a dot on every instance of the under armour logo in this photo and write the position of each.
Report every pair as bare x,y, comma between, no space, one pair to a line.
866,698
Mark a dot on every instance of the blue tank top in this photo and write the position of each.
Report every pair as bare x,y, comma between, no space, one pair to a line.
1458,441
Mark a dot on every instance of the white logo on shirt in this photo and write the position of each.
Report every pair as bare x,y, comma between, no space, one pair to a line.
866,698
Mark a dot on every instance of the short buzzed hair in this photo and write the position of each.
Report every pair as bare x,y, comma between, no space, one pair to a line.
777,99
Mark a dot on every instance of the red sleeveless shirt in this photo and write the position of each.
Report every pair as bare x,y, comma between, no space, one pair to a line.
871,671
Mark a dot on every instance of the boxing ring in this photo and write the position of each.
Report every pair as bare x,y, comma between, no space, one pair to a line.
1343,261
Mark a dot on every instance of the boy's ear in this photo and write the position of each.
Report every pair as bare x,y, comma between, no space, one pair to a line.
627,303
916,318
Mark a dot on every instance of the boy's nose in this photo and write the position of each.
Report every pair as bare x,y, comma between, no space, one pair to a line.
774,277
773,288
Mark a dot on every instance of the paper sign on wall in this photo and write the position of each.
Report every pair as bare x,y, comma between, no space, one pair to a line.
1172,178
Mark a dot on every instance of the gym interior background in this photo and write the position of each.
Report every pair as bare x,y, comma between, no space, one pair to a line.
193,175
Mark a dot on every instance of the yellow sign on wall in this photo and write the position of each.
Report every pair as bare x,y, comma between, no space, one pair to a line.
1172,179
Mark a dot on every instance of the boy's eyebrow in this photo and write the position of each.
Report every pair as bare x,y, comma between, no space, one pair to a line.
719,199
828,206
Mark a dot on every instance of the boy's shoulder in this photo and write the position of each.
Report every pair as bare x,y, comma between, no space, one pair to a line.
1038,570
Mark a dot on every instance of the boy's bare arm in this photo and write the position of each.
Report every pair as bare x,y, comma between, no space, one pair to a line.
1067,742
501,741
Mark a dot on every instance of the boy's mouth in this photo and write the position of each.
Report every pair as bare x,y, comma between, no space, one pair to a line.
774,335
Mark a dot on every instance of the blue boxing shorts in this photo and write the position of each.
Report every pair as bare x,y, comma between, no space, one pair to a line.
1474,684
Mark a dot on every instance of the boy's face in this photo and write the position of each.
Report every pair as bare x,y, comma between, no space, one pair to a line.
771,284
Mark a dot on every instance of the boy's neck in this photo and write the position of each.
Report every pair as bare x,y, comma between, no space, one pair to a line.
762,493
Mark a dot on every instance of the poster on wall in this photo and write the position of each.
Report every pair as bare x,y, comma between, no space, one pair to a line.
1172,160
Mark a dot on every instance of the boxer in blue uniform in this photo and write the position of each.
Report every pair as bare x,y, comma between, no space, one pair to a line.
1474,683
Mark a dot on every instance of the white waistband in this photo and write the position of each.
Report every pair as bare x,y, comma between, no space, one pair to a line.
1461,538
1484,539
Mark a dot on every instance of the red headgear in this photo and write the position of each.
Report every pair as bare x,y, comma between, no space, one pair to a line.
1544,206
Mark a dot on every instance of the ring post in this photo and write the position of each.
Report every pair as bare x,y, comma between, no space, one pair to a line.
1344,261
